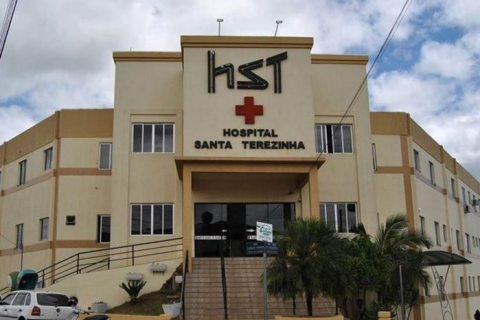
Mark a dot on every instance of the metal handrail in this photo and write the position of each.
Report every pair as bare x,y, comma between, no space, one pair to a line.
224,283
89,261
184,280
4,290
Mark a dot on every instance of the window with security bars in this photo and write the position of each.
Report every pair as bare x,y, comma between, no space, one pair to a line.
151,219
333,138
342,216
153,137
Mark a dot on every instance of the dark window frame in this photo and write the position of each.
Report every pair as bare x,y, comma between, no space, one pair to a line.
48,158
146,137
328,137
43,232
22,174
101,165
19,236
339,225
101,234
147,219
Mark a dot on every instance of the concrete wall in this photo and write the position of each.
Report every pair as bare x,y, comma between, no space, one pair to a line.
103,285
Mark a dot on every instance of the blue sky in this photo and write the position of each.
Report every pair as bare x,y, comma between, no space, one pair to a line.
59,53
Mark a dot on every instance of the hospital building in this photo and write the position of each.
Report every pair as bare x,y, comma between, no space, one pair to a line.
203,143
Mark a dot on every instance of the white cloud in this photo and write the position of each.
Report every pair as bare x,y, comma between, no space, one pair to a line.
446,60
14,119
420,96
463,13
59,53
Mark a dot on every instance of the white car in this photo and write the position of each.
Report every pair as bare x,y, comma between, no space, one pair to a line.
23,305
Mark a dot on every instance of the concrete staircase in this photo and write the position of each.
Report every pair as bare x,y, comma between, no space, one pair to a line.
204,295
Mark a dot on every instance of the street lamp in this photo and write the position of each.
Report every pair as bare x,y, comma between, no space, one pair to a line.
278,22
219,20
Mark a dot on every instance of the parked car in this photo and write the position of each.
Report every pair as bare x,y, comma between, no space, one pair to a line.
24,305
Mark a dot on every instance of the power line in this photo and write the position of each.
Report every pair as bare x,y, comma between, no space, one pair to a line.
374,65
7,21
372,68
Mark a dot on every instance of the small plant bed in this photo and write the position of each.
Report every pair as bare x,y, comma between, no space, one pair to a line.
149,304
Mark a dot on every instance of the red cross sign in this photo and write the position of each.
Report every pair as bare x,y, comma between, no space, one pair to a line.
249,110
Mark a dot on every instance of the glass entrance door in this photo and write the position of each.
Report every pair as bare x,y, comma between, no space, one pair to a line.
231,226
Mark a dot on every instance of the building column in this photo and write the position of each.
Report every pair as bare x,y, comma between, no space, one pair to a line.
187,215
313,192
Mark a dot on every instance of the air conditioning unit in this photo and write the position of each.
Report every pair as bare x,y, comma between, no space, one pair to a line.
467,208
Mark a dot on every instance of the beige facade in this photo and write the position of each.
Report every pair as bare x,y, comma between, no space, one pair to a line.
416,175
230,123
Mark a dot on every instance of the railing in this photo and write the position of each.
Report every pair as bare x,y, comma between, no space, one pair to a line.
4,291
101,259
184,282
224,282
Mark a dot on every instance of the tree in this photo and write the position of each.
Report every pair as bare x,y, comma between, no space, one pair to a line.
374,268
361,274
399,245
306,261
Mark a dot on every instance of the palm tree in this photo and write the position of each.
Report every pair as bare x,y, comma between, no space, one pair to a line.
306,261
399,245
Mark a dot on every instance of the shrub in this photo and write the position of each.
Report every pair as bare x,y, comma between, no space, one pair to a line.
133,288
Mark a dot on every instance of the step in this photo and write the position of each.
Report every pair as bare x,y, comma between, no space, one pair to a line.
204,292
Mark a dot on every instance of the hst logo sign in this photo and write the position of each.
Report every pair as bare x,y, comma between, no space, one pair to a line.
255,82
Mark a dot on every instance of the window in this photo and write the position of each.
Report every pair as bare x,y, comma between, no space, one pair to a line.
20,299
44,229
457,234
332,138
19,239
103,228
8,299
416,158
70,220
422,225
105,156
452,186
467,242
462,285
153,138
22,166
0,180
374,156
445,233
48,155
342,216
432,173
437,234
151,219
463,196
474,203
